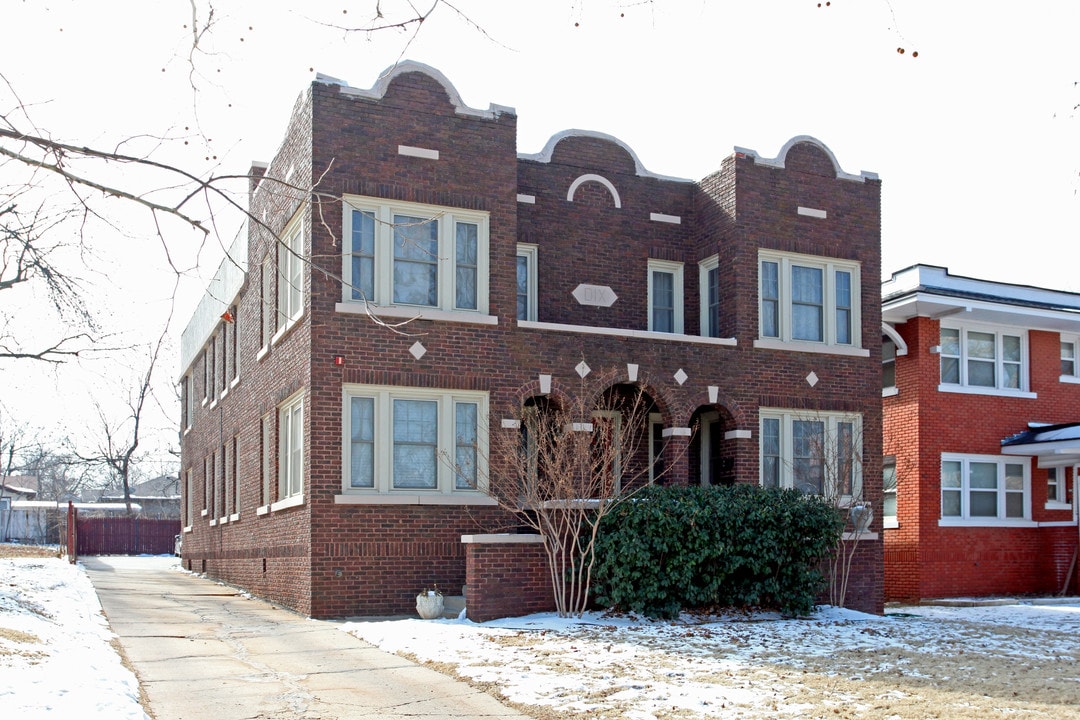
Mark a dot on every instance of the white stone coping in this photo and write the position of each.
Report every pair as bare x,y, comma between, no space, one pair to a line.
502,539
623,332
414,499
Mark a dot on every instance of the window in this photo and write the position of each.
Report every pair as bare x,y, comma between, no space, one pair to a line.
233,460
267,438
407,254
888,364
207,487
709,283
983,487
1057,484
232,340
665,289
189,498
413,439
227,467
291,448
657,442
526,282
290,267
185,402
817,453
208,366
809,299
888,491
980,358
267,313
1070,370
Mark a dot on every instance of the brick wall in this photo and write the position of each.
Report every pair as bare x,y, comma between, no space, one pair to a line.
507,579
924,559
328,558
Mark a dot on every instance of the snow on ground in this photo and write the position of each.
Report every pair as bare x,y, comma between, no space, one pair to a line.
55,656
1014,661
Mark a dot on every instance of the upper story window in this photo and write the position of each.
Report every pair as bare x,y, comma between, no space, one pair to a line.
290,290
809,299
1070,369
413,439
709,282
665,291
983,358
815,452
888,364
984,487
526,281
408,254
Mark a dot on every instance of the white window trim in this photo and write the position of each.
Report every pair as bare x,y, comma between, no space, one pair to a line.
965,519
384,212
1074,340
998,331
290,263
445,484
676,270
829,267
1062,483
530,252
704,268
296,497
889,521
787,418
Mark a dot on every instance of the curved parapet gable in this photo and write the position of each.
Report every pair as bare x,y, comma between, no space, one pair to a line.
781,159
378,91
544,155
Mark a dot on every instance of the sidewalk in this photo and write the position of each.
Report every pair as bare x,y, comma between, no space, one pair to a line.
202,650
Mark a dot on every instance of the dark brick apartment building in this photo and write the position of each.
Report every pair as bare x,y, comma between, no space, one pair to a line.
746,306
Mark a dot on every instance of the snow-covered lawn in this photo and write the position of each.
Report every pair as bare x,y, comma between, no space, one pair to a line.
1015,661
56,660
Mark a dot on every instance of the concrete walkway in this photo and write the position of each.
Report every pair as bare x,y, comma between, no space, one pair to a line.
202,650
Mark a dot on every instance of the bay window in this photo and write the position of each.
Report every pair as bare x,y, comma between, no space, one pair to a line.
815,452
984,488
413,440
807,299
405,254
975,357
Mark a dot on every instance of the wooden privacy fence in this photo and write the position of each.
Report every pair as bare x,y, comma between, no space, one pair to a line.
125,536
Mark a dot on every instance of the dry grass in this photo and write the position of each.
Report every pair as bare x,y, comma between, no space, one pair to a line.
16,550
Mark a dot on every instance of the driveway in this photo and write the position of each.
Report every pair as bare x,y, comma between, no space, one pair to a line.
203,650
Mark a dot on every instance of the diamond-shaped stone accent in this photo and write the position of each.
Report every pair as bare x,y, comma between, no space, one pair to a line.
681,376
418,350
583,369
812,378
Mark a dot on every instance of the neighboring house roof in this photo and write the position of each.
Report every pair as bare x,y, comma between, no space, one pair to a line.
20,485
165,486
931,291
1054,445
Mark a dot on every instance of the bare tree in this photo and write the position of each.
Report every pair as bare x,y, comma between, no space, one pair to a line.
830,463
118,443
564,465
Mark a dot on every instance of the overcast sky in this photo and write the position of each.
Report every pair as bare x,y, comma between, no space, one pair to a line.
976,139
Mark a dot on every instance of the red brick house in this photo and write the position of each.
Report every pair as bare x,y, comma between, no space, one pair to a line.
981,436
744,304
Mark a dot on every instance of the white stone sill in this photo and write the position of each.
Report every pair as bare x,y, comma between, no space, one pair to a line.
413,499
623,332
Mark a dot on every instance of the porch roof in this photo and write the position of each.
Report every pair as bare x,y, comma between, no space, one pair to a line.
1053,445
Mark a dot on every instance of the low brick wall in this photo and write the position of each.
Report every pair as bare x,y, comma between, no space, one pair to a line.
506,576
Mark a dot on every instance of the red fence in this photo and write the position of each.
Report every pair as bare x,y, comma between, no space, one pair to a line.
125,536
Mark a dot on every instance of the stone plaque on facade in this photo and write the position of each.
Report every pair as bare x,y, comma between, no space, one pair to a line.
598,295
